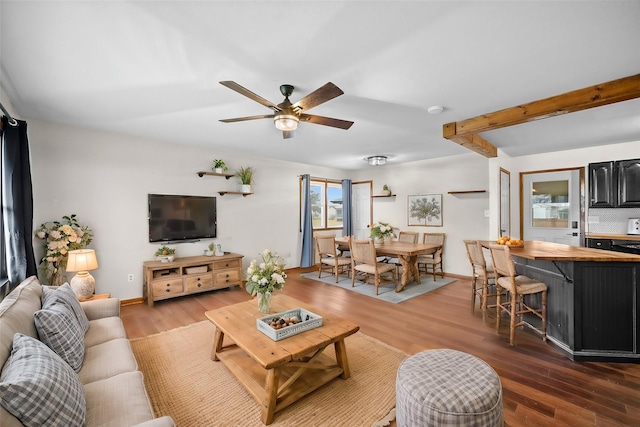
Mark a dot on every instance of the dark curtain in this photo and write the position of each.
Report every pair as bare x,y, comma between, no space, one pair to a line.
18,261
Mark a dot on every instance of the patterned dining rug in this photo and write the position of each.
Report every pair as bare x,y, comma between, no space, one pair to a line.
182,381
385,292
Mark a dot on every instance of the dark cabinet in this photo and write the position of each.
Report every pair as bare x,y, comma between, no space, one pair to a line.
614,184
628,172
602,189
599,244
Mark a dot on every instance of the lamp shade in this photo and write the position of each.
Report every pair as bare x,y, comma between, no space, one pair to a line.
286,122
82,260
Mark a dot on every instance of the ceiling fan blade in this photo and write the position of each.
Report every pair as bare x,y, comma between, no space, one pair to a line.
246,92
288,134
319,96
326,121
244,119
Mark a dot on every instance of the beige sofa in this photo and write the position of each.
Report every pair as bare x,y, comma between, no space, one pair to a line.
107,381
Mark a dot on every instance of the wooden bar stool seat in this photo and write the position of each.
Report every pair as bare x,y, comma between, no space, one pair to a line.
518,288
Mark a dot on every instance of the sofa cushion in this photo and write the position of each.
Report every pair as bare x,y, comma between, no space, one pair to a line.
107,360
39,388
118,401
58,328
103,330
16,314
65,295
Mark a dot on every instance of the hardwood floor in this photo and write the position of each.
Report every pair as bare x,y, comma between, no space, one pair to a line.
541,387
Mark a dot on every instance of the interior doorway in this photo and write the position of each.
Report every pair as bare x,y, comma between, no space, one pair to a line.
361,208
552,206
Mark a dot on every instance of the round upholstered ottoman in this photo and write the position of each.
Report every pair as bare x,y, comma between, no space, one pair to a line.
447,388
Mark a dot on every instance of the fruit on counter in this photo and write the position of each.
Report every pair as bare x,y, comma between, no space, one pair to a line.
507,241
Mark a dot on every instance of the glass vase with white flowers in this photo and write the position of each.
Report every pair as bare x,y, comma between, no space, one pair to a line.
381,231
265,277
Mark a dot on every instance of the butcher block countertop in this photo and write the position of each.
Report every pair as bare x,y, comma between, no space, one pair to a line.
536,250
613,236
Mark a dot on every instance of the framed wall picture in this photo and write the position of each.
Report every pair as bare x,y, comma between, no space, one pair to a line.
425,210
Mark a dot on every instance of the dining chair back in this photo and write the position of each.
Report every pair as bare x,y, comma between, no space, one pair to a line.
329,259
518,288
432,263
408,236
363,261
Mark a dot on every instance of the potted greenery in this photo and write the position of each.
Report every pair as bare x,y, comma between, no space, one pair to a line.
246,177
165,254
386,191
219,166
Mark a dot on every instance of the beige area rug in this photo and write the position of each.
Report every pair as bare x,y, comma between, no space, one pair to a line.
183,382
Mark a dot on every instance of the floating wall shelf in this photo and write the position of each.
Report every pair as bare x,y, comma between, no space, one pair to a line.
390,195
467,191
226,175
222,193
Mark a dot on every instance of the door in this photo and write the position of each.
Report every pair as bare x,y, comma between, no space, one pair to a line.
551,206
361,205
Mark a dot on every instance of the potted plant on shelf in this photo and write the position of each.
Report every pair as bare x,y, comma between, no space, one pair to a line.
246,177
219,166
165,254
386,191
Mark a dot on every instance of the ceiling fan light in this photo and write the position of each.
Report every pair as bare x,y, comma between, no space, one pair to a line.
286,122
376,160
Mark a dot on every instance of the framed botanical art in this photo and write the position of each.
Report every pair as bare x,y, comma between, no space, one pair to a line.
425,210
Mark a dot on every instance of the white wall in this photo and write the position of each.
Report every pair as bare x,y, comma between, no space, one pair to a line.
104,178
463,214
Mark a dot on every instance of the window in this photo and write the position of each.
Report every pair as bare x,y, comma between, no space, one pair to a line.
326,204
550,207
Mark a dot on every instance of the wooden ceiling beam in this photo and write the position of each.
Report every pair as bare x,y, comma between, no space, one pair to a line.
472,141
582,99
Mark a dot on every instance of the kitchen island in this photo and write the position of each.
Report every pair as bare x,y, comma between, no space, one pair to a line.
593,299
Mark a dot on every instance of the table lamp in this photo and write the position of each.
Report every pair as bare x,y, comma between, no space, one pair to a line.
82,261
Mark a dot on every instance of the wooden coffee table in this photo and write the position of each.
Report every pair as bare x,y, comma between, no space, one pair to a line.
278,373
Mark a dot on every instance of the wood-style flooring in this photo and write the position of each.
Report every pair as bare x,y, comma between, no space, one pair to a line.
541,387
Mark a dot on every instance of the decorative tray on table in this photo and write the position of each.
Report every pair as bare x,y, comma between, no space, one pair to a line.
288,323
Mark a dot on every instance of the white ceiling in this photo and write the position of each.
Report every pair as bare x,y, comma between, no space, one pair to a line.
151,68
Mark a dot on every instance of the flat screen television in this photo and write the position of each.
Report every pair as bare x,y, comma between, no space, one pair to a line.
179,218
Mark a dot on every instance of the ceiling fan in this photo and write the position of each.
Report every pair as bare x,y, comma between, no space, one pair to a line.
287,115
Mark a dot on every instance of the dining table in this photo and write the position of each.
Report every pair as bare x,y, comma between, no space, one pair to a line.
406,253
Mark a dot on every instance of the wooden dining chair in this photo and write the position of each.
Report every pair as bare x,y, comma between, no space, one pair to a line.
518,288
329,259
431,263
407,237
480,270
363,261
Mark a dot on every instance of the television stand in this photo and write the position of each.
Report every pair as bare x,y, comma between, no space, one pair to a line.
190,275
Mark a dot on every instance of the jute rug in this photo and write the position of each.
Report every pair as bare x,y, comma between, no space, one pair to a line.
387,291
182,381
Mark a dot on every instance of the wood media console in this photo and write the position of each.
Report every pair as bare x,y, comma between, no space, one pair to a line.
190,275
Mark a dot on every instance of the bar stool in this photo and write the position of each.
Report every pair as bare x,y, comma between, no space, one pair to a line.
518,287
480,271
